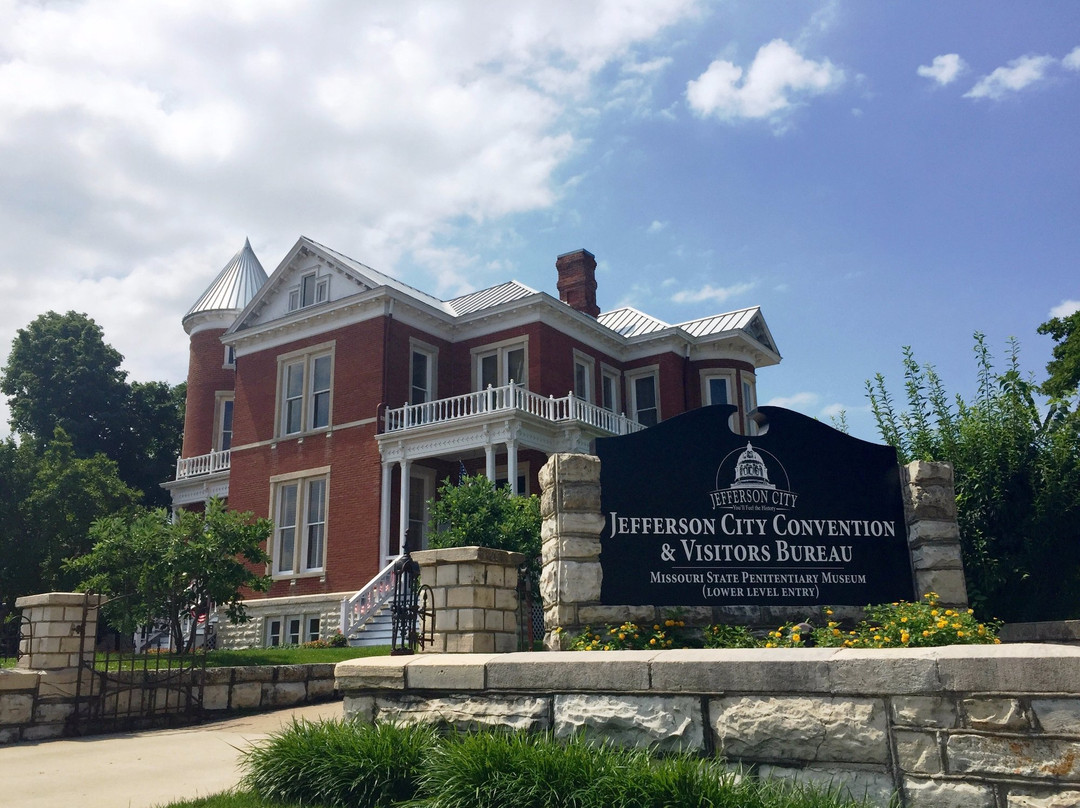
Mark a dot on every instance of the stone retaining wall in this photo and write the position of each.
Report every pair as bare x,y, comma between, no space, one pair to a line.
38,704
953,727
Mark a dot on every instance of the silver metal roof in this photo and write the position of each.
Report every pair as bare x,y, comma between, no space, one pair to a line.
629,322
486,298
234,286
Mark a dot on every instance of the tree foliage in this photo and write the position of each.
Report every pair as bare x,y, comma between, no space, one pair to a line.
1017,469
159,569
47,503
1063,370
62,373
476,512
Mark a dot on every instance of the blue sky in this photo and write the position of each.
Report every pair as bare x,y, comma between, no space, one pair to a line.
873,175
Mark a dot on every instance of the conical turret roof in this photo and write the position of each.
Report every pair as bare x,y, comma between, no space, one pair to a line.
234,286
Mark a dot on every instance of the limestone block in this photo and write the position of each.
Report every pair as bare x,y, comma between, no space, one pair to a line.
553,671
597,616
292,673
506,643
991,713
560,614
318,689
446,619
371,673
1013,668
53,712
937,556
16,708
924,711
564,468
917,752
245,695
947,794
1058,799
471,642
754,670
568,545
359,708
437,645
668,723
948,584
583,497
872,785
254,673
285,694
471,619
506,600
582,525
933,502
15,679
883,670
472,574
1025,757
521,713
445,575
470,597
1057,716
929,472
447,672
9,735
933,531
493,621
216,676
41,732
215,697
799,728
571,581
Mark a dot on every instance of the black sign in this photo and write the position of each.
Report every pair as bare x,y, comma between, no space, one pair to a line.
800,515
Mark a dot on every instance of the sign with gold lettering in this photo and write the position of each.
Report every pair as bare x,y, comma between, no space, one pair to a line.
797,515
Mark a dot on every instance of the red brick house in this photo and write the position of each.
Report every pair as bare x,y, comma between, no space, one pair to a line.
333,399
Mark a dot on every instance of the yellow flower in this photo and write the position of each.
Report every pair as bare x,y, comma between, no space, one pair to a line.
656,627
622,636
941,624
903,619
652,641
971,611
904,637
796,638
926,633
933,612
669,623
828,611
959,634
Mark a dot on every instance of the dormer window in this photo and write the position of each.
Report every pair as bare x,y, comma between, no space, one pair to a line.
311,290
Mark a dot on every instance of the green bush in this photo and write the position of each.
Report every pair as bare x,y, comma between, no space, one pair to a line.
365,766
631,637
725,636
337,763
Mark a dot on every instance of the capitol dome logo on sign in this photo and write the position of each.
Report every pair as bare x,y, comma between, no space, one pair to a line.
752,489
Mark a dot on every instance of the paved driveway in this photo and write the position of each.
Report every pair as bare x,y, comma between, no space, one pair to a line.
138,769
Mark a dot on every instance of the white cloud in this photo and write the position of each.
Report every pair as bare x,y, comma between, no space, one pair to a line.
656,226
1017,75
945,69
833,410
794,402
771,86
1065,308
141,142
1072,59
714,294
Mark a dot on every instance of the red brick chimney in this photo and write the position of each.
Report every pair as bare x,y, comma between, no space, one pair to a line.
577,281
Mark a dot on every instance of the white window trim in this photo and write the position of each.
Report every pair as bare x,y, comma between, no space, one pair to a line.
321,293
608,372
728,377
631,378
307,356
581,358
523,471
282,633
748,380
500,348
230,357
220,398
302,480
428,476
432,352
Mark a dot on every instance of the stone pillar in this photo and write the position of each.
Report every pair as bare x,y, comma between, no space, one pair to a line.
933,532
571,575
59,635
476,600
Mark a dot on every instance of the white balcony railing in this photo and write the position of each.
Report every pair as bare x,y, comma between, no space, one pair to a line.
506,398
203,464
358,609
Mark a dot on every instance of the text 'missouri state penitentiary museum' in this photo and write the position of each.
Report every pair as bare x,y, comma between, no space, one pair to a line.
333,399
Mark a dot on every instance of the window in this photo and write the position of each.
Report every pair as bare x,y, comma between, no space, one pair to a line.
305,381
230,357
299,526
421,490
583,376
749,395
609,388
224,422
502,479
312,289
718,387
644,395
291,629
422,369
501,364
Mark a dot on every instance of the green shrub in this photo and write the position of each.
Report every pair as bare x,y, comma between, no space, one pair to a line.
724,636
338,763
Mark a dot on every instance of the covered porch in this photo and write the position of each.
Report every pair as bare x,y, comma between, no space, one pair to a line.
496,423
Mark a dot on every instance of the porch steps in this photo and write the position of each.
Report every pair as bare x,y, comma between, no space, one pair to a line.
377,631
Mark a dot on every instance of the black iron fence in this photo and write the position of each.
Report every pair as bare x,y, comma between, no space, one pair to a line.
14,628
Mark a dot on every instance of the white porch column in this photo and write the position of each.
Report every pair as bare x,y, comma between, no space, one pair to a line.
489,462
512,465
406,465
384,512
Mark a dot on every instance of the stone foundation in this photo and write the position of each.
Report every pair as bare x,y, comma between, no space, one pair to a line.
252,634
964,726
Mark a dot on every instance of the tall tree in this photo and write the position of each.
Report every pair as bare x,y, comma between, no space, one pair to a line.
163,569
1063,371
1017,469
61,372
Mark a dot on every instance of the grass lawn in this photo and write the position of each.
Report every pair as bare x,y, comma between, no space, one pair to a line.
249,657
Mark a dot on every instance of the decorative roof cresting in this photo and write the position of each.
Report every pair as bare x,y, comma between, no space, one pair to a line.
234,286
